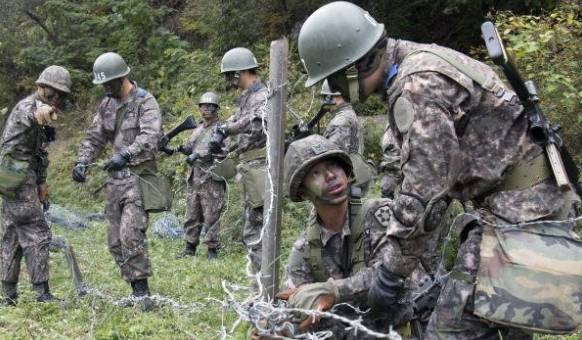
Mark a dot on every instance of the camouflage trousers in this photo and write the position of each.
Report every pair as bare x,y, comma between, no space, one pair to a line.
25,232
253,218
128,222
204,203
453,316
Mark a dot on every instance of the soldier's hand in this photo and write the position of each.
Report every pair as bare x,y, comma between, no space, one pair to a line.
385,290
79,172
319,296
164,140
117,162
43,192
192,158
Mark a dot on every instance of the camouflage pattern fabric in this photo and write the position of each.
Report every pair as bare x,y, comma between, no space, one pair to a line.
352,286
25,232
345,130
390,165
23,139
128,222
247,124
204,194
139,132
457,141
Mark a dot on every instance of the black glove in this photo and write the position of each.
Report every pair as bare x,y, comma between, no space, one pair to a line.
50,133
79,172
163,142
217,138
117,162
193,157
181,149
386,290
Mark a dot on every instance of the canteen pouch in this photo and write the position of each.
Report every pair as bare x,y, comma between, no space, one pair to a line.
530,276
156,191
253,181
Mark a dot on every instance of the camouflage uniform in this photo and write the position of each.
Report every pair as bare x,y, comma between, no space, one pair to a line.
138,134
247,123
458,140
353,284
345,130
390,165
25,230
204,193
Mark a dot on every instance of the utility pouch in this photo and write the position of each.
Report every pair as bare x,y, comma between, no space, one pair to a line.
223,169
12,175
156,191
253,182
530,276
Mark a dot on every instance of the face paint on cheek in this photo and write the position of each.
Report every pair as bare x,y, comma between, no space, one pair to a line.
315,187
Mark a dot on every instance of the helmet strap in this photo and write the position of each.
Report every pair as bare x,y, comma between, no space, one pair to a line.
353,85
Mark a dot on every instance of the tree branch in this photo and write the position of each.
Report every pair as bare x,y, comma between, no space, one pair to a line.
51,35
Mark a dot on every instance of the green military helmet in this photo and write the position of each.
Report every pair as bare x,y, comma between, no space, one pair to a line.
302,154
326,90
56,77
238,59
209,98
334,37
109,66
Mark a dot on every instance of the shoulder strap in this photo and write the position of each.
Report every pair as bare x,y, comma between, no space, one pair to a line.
358,211
312,253
488,83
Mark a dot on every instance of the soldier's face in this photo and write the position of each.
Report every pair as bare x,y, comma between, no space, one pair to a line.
208,111
113,88
326,182
232,80
52,96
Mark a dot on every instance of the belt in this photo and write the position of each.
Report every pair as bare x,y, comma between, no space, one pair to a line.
252,155
526,174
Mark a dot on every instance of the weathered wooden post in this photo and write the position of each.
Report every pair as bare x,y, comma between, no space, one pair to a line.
275,153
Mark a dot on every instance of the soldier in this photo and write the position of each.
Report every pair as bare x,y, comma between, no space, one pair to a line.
465,135
129,118
239,67
337,255
344,129
23,147
204,191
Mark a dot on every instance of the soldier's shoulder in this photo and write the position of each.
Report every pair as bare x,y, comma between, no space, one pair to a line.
377,212
300,243
23,109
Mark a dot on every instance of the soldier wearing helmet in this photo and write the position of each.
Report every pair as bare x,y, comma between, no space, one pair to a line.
129,118
23,152
239,67
337,255
463,134
204,190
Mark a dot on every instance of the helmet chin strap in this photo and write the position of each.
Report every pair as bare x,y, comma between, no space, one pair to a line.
353,85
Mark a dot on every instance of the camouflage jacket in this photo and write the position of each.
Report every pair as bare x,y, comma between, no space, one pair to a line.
390,165
345,130
247,122
198,142
353,286
23,139
458,140
139,128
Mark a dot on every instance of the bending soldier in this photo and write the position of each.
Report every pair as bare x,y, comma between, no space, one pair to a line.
336,257
23,155
128,118
239,67
463,135
204,191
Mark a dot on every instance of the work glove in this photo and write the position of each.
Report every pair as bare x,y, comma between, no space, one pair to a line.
117,162
43,195
45,114
192,158
217,138
319,296
386,290
79,172
50,133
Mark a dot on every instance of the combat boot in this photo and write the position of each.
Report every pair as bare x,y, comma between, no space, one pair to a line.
44,292
141,291
212,254
189,250
10,292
